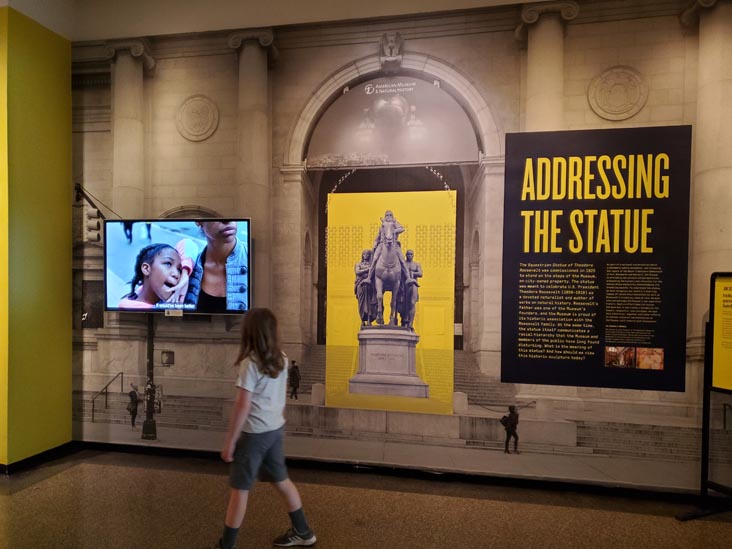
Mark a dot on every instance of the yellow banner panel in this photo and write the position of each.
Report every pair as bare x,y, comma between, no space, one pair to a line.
722,337
354,221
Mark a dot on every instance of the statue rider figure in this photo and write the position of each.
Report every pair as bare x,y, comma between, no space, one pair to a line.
398,229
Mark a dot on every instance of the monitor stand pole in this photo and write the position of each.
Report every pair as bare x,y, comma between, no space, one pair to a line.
149,429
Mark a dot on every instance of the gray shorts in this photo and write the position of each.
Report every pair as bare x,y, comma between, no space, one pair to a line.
258,455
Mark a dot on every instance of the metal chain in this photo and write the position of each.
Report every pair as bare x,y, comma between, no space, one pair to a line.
335,187
445,185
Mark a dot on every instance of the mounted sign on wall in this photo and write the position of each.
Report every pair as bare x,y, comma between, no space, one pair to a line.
394,352
721,308
595,258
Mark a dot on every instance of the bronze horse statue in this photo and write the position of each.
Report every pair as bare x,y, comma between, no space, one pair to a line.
388,273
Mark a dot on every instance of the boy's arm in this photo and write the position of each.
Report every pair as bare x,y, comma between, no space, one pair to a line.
239,414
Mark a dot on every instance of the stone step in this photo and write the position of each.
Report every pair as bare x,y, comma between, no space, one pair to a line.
641,433
660,442
191,405
167,411
655,449
123,397
189,408
659,445
160,423
690,444
433,441
657,456
468,378
624,425
141,412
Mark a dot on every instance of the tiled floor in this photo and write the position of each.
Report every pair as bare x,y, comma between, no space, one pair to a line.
99,499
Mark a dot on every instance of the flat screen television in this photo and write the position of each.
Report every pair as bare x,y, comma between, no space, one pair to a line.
191,265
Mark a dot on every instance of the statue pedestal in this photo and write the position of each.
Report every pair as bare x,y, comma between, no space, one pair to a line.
387,363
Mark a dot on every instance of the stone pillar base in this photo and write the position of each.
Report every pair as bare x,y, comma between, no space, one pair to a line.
459,403
388,385
317,394
387,363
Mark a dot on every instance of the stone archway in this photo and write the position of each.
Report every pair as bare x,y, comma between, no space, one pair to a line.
464,90
190,212
296,203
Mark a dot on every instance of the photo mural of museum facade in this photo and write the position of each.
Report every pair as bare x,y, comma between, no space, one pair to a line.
512,206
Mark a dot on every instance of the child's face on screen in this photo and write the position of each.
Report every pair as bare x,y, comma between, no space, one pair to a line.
163,273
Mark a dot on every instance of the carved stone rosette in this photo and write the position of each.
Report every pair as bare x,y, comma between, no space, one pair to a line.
618,93
197,118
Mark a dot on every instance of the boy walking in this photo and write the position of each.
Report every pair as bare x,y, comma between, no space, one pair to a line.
254,439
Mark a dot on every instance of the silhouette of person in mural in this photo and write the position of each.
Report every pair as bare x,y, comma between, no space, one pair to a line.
294,379
127,227
133,404
511,426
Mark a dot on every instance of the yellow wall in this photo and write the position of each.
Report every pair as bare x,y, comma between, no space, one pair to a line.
3,236
38,238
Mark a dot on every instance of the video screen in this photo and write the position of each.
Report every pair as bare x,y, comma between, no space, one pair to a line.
193,265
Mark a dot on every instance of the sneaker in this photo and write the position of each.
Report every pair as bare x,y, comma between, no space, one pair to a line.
292,538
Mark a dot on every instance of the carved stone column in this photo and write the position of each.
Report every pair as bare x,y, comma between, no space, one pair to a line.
486,207
287,255
711,249
128,129
472,329
545,63
253,153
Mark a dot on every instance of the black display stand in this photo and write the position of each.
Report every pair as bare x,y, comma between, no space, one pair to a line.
149,429
709,505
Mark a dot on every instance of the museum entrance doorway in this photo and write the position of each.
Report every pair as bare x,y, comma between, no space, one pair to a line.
392,132
387,179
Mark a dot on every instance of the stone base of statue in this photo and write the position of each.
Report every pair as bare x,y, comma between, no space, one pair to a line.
387,363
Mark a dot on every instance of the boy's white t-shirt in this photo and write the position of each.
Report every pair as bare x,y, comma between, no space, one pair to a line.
268,397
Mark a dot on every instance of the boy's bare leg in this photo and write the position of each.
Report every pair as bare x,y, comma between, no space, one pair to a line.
235,512
237,508
300,526
290,494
